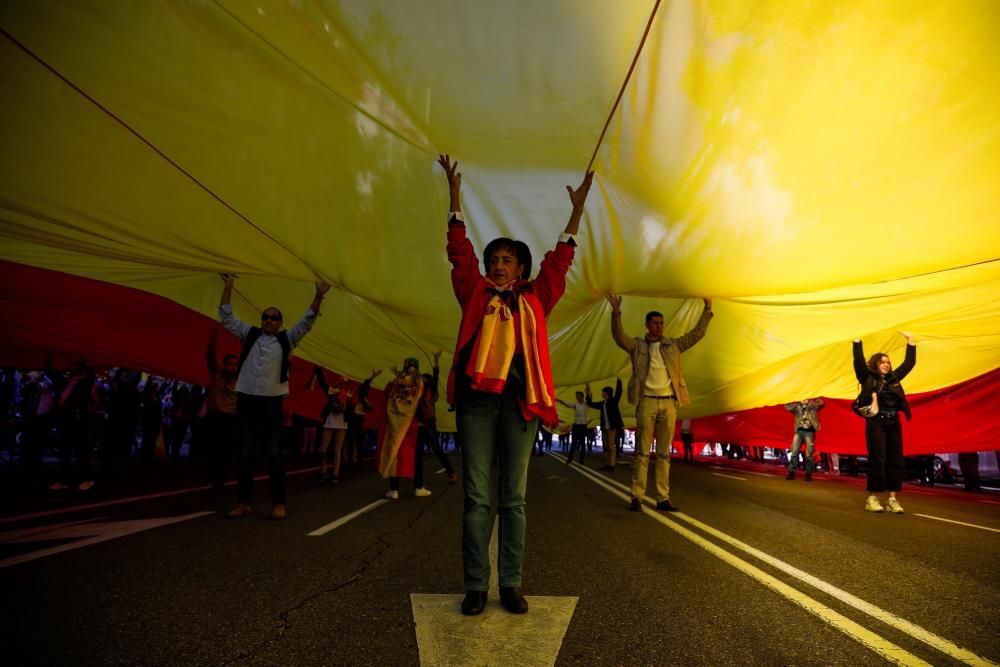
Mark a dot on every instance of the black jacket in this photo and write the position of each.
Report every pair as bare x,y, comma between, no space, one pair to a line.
610,405
874,382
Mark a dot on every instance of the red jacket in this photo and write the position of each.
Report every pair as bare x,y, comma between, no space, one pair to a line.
472,292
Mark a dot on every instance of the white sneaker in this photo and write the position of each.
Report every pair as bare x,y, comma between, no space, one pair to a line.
893,506
873,505
392,495
421,492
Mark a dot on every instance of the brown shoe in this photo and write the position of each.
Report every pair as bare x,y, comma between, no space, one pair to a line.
277,512
239,511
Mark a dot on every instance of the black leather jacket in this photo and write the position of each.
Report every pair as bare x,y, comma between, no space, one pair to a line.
874,382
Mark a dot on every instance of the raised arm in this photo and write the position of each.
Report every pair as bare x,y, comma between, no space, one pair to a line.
320,379
454,177
465,274
568,405
699,330
578,198
304,325
232,323
618,389
911,357
617,331
210,359
860,366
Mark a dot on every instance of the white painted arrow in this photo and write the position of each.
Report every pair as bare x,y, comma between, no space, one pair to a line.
447,638
93,531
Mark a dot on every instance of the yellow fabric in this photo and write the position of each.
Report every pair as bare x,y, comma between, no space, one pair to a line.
402,400
823,170
536,391
494,347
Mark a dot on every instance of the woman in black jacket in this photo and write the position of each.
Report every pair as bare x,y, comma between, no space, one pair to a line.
883,435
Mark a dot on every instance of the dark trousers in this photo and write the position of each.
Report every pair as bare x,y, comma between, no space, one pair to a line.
886,469
427,436
579,442
75,443
688,439
260,428
222,433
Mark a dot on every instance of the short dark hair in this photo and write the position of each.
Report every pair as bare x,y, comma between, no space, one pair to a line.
609,390
651,314
519,248
275,309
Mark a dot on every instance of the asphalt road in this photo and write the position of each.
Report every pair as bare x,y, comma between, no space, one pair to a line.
754,570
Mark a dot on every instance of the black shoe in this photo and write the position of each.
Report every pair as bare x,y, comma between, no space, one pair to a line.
635,505
790,475
608,468
809,477
665,506
512,600
474,603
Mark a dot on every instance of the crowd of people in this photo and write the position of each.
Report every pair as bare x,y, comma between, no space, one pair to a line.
500,386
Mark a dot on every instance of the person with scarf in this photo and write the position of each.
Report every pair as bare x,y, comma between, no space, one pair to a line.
883,434
501,384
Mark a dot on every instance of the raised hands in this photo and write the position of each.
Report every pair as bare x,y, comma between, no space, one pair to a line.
708,303
615,300
578,197
454,180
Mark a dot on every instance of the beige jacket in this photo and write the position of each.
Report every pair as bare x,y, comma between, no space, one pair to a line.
671,348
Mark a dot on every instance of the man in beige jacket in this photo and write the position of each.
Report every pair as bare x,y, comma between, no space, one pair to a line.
657,389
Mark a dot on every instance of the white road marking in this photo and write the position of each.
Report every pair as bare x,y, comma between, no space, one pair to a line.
135,499
719,474
344,519
960,523
96,531
446,638
746,472
876,643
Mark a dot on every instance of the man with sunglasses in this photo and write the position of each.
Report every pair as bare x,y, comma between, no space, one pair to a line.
261,387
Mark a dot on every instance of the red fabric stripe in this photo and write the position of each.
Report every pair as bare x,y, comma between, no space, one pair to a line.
113,325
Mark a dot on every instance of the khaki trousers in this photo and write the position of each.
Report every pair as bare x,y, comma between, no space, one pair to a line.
608,437
653,416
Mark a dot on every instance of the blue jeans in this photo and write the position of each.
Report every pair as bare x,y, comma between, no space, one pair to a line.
810,437
492,427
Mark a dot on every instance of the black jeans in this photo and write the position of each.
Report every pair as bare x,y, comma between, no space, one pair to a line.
260,427
427,436
222,432
886,469
579,441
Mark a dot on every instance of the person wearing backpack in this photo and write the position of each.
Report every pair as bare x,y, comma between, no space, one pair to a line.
261,387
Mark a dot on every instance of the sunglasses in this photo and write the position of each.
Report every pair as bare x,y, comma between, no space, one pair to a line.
273,318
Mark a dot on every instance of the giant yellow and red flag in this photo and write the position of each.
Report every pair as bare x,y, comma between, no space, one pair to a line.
825,171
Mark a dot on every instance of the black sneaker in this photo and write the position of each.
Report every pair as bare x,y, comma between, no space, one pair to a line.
512,600
809,477
665,506
635,505
474,603
790,475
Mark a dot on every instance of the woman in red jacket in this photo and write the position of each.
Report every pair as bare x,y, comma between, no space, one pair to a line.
501,384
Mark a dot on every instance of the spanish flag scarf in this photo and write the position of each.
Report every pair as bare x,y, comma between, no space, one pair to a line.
494,349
